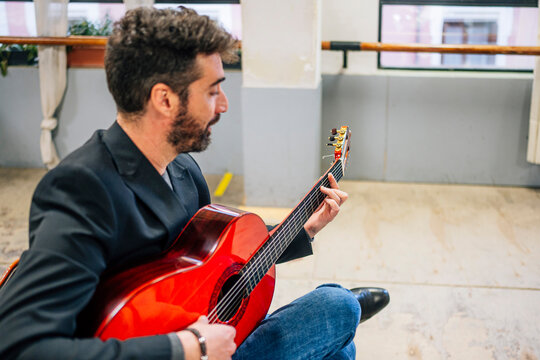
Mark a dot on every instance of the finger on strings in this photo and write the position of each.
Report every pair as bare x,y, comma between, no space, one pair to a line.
333,194
334,206
333,182
334,185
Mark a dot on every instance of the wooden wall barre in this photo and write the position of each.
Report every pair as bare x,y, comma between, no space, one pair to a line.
454,49
56,40
326,45
347,46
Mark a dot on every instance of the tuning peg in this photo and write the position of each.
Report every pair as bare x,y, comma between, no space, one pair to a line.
334,131
338,146
332,138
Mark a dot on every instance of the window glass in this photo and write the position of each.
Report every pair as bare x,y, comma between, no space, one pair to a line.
94,13
17,18
228,15
483,25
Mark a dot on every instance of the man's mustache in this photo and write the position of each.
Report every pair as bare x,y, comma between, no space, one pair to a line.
214,120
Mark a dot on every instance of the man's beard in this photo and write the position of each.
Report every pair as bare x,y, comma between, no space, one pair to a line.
187,135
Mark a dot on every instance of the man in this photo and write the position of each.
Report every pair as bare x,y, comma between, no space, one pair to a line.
126,194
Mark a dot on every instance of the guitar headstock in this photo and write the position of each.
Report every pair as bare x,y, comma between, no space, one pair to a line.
342,137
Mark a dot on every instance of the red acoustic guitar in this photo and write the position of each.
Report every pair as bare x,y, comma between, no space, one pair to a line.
221,265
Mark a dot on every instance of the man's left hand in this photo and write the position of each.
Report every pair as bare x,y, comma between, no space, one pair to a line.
329,208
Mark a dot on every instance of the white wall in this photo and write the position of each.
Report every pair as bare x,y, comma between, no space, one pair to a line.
350,20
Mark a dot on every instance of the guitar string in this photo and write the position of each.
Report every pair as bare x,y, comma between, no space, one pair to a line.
234,296
231,297
276,245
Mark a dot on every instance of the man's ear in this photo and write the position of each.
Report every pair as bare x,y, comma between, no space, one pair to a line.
163,100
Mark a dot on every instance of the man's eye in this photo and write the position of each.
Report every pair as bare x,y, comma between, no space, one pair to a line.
215,90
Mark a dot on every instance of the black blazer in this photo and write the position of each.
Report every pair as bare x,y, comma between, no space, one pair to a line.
103,207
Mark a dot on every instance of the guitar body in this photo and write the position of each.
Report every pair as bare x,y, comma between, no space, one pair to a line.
170,293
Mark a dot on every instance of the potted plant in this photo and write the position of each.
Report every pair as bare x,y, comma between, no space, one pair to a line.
16,54
88,56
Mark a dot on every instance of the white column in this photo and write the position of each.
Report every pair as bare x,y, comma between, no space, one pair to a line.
533,149
281,43
132,4
281,99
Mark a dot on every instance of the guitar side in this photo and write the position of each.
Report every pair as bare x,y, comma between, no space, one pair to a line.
171,292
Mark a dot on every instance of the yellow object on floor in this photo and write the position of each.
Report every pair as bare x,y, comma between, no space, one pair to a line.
223,184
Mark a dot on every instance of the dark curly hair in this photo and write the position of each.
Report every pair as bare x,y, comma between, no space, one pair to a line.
150,46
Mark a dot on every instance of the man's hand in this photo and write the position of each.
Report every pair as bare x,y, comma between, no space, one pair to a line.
329,208
219,340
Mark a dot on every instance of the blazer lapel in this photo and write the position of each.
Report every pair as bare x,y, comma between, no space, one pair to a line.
184,185
143,179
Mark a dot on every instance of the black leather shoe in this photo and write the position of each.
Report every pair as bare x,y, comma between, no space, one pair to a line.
372,300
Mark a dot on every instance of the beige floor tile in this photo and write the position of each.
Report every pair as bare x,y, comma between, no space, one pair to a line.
16,188
443,322
400,233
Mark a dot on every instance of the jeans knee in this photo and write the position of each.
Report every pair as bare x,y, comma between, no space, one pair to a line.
341,305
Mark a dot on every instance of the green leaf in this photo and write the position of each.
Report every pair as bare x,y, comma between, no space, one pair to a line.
87,28
3,67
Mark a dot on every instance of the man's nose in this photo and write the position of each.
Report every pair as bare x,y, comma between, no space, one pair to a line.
223,103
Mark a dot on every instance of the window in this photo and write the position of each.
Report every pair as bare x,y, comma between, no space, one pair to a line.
95,13
451,24
228,15
17,18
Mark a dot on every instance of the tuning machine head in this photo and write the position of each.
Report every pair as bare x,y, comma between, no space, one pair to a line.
339,138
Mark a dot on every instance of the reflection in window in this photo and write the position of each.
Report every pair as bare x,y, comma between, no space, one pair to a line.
470,32
458,25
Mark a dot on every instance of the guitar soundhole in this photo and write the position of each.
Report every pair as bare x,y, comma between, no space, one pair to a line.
233,299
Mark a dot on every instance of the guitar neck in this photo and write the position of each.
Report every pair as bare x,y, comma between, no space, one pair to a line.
287,230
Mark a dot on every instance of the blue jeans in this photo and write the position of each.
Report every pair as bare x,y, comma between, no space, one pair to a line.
319,325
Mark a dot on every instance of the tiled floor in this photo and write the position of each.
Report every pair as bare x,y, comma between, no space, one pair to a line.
462,263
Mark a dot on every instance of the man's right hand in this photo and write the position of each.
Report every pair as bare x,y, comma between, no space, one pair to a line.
219,340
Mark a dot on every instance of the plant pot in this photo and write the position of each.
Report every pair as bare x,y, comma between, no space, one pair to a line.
86,56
